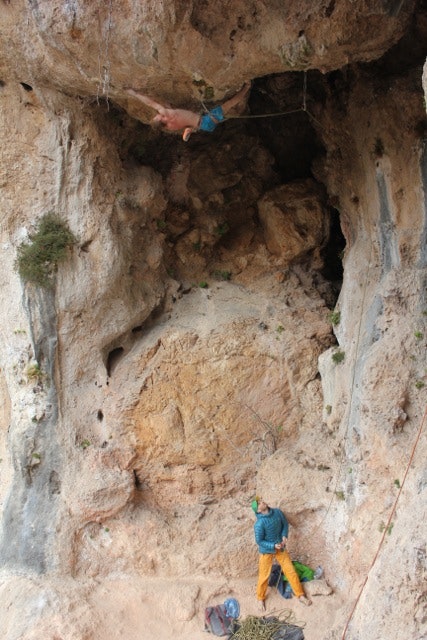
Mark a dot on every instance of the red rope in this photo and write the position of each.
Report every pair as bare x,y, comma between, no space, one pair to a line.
386,528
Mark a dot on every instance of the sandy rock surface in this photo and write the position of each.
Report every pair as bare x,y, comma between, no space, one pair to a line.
243,313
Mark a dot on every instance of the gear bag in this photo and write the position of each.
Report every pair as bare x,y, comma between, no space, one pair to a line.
217,621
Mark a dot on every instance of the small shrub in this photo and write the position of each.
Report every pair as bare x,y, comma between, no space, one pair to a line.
334,317
209,93
397,483
203,284
222,275
338,356
420,384
36,261
382,527
280,329
328,409
340,495
222,229
85,444
419,335
35,373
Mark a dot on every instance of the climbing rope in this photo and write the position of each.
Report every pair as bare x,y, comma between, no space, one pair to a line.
266,628
263,115
276,114
104,64
387,527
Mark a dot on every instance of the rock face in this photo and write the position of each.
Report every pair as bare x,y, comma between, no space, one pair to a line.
193,49
242,313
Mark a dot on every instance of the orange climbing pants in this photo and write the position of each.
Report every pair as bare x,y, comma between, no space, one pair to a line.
264,570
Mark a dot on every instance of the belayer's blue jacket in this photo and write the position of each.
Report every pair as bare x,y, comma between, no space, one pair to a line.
269,530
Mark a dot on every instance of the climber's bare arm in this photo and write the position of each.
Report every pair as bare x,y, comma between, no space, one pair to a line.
239,97
149,102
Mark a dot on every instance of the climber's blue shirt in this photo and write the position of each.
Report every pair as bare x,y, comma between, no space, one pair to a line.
270,529
209,121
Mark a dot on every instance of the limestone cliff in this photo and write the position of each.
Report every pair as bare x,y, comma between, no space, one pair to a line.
245,312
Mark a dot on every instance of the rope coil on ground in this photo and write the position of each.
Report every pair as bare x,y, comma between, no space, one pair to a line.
265,628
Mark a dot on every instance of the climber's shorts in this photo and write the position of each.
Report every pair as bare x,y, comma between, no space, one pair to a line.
209,121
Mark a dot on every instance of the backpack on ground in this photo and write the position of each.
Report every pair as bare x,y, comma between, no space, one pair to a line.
217,621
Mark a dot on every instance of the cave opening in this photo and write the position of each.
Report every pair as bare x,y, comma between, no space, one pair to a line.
280,106
278,116
262,149
284,127
332,255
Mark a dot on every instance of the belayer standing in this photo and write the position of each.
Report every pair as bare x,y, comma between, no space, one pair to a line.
271,535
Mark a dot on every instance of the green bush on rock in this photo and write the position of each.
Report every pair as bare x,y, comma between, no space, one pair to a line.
37,260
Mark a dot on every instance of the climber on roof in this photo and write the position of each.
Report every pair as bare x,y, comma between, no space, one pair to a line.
189,121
